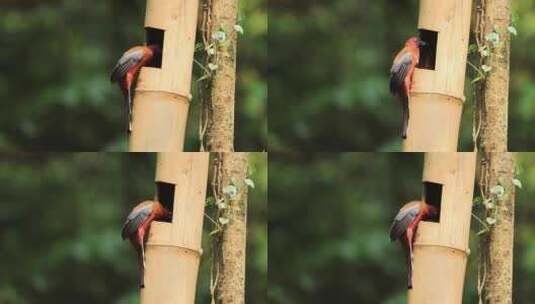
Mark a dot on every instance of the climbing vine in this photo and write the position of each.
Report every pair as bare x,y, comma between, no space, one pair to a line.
489,197
204,83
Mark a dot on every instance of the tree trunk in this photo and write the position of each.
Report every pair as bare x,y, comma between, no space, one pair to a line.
230,287
497,165
220,125
495,17
496,274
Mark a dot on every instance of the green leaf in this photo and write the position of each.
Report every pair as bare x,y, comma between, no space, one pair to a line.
249,182
205,76
498,190
482,231
210,50
212,66
219,36
512,30
238,28
472,48
223,220
484,51
210,200
493,37
517,183
230,190
221,205
478,78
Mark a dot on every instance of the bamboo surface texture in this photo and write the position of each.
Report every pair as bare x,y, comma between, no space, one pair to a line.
162,96
173,249
437,96
441,249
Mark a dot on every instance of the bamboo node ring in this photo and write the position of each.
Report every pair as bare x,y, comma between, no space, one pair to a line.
196,251
459,99
179,95
431,244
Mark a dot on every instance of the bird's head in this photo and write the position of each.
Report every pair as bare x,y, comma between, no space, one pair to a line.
432,211
415,42
168,216
162,212
155,49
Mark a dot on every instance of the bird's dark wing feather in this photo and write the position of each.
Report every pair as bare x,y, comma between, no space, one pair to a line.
402,221
125,63
134,220
399,71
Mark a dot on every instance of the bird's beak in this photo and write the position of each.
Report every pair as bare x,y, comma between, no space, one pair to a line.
421,43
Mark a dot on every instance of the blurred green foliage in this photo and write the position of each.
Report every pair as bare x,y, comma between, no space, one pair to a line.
54,75
329,68
329,221
60,228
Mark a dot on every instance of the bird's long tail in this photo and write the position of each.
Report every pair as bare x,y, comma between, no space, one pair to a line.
128,109
409,276
405,112
141,269
129,105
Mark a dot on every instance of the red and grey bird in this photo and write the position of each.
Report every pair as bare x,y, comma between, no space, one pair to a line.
405,225
401,76
127,68
138,224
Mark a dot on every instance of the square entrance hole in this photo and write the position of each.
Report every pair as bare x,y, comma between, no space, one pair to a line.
155,36
165,193
428,53
433,196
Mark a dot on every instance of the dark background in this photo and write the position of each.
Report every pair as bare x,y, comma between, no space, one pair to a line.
60,228
329,64
329,221
54,75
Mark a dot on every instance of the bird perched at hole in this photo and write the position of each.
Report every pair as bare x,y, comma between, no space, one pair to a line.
401,76
126,69
405,225
137,225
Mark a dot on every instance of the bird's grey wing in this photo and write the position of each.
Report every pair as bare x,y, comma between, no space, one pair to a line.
125,63
134,220
402,221
399,71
